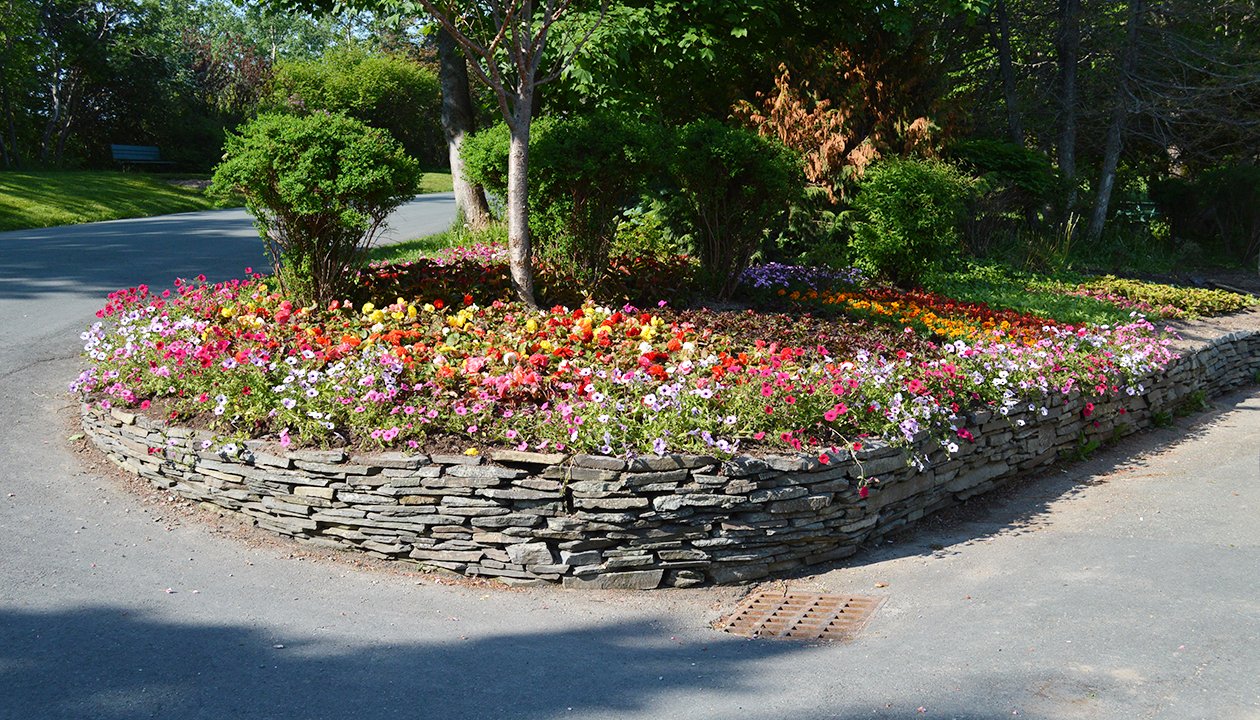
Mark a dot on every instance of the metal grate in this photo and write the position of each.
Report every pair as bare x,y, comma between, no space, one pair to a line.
802,616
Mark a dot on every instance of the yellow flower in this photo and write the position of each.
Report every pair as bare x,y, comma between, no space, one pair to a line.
368,308
531,325
472,451
227,312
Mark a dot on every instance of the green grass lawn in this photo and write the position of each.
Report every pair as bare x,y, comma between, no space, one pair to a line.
47,198
44,199
435,182
432,244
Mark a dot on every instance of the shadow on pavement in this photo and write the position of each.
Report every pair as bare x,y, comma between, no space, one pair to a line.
107,663
99,258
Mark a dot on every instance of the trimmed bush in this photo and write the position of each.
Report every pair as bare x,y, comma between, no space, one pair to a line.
908,215
734,189
320,188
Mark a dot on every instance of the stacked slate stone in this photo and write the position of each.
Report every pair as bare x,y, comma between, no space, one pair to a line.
590,521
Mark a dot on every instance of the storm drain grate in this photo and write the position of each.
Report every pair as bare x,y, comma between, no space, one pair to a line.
802,616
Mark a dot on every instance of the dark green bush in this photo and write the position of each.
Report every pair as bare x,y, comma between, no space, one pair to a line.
390,92
320,187
1015,191
1219,211
733,190
908,213
584,172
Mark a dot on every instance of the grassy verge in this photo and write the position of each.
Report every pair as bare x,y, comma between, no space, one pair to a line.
431,244
1007,289
1073,298
45,199
435,182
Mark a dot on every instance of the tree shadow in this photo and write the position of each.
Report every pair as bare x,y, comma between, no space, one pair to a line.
107,662
94,259
98,258
110,663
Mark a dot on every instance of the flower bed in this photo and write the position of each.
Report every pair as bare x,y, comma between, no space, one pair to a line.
591,521
461,366
627,447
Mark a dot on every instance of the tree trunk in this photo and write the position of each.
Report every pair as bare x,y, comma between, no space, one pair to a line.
520,258
1069,46
1115,129
1002,38
457,121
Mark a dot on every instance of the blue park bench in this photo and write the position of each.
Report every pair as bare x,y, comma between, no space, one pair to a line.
138,155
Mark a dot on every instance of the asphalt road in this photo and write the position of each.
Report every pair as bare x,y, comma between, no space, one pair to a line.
1117,589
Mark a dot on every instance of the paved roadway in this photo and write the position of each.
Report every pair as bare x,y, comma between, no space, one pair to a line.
1118,589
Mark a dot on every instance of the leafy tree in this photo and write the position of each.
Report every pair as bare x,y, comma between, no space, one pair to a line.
390,92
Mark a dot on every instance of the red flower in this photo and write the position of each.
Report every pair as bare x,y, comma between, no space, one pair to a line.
1087,410
864,492
824,458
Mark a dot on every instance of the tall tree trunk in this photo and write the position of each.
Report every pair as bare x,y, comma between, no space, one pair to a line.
1069,47
520,257
457,121
53,120
5,154
1115,129
1002,38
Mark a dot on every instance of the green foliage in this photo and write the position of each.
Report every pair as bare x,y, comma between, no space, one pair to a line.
584,172
644,232
390,92
1183,301
457,236
319,187
1162,419
1219,211
45,199
485,155
1194,402
1016,188
734,189
1085,448
815,233
908,216
1004,165
1003,288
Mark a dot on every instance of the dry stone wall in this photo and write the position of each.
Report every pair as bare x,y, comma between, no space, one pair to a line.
602,522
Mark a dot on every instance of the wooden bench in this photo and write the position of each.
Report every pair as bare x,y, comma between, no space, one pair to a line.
138,155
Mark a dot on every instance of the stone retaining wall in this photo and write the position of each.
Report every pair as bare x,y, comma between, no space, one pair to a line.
600,522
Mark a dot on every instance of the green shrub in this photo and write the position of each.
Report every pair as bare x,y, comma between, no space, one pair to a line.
319,187
390,92
584,172
1015,189
734,189
908,213
1218,211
